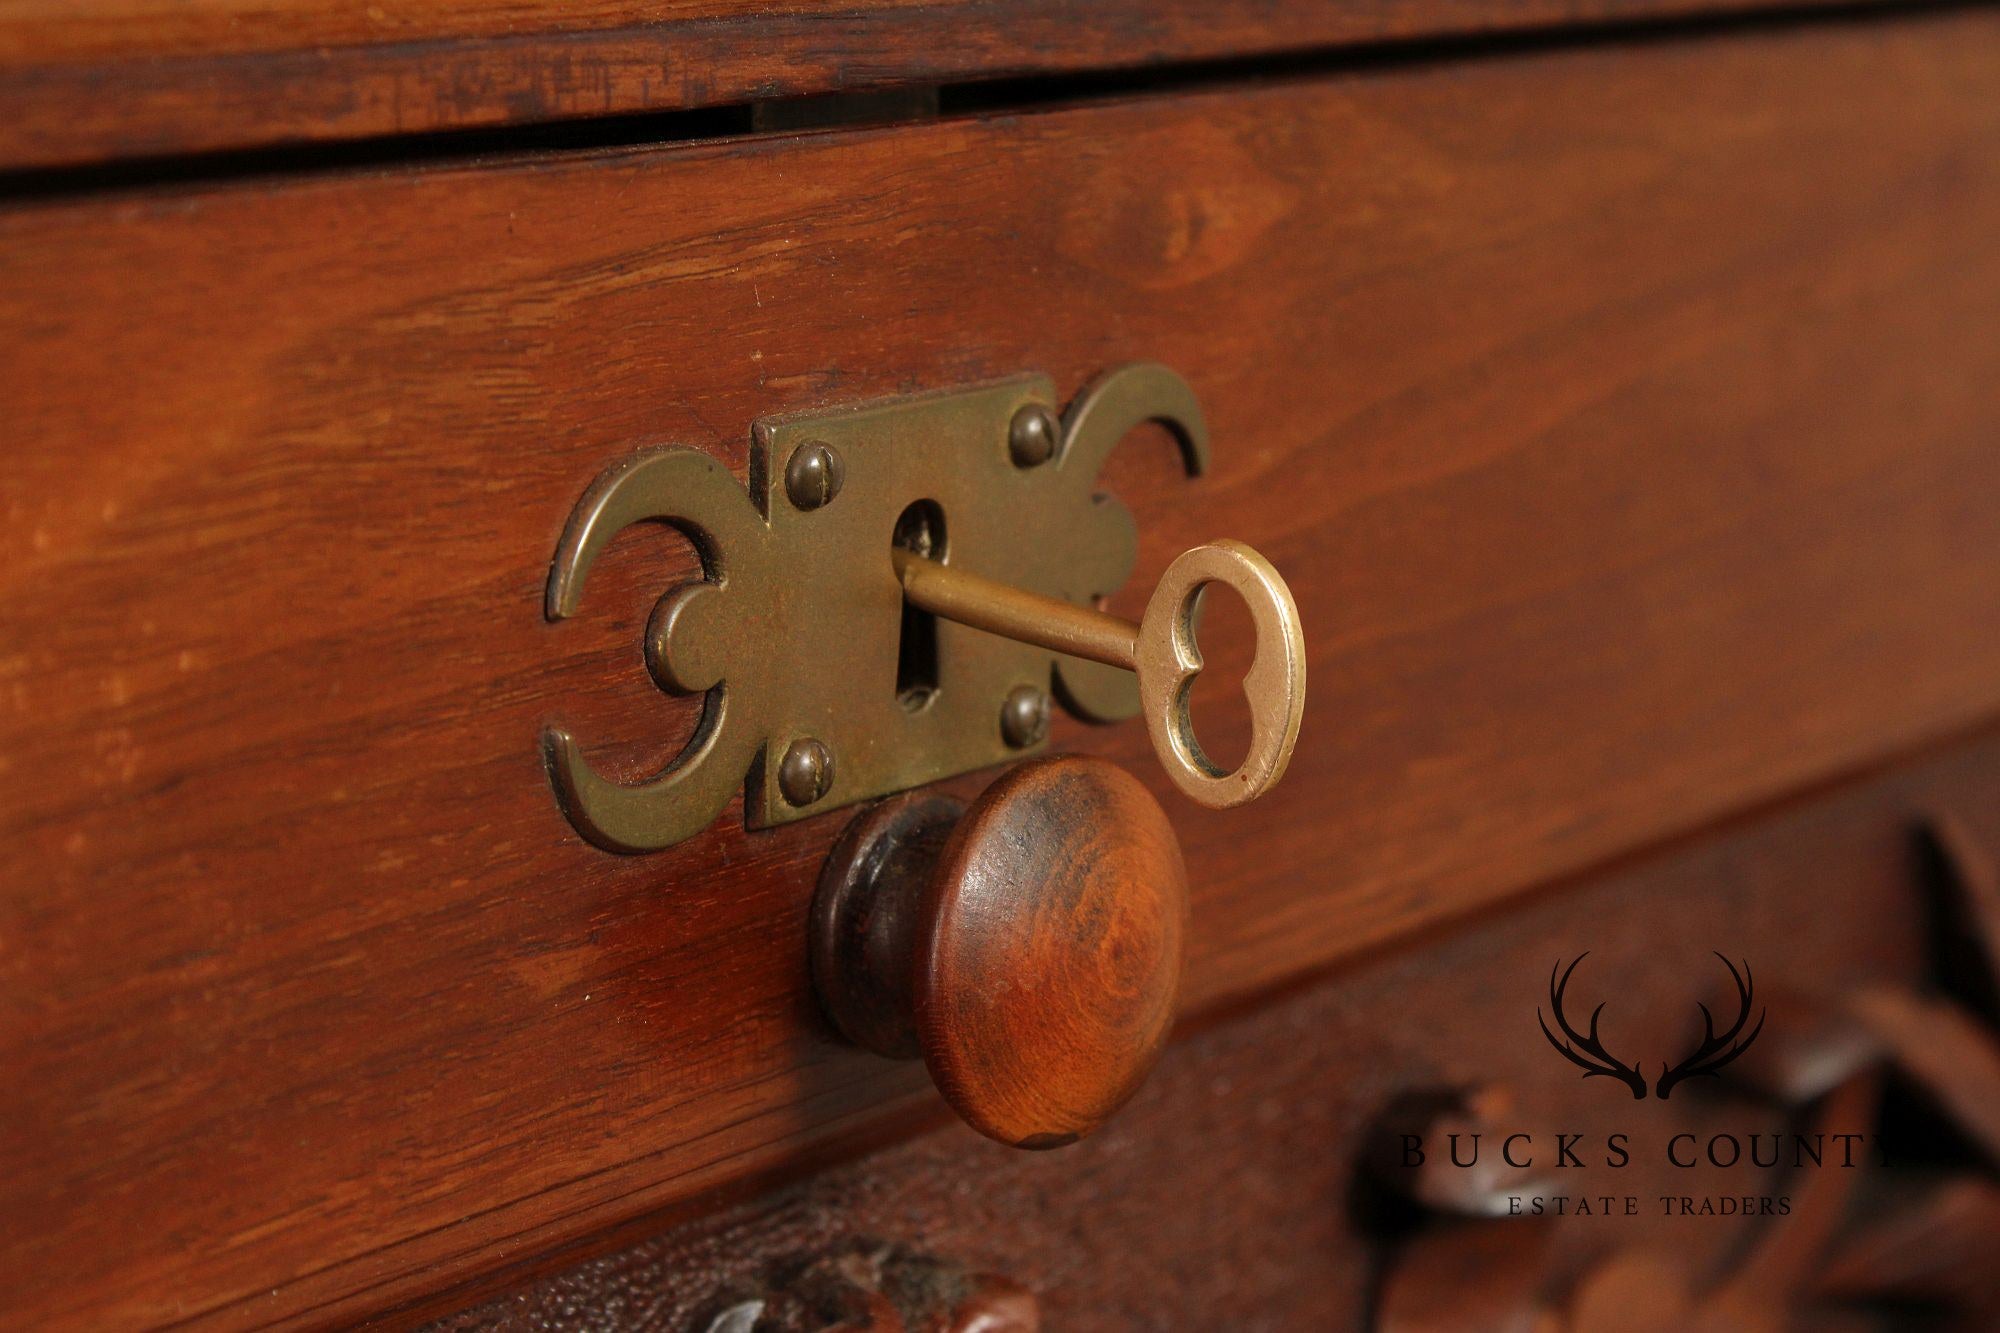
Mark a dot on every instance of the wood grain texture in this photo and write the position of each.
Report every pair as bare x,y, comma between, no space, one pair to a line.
1048,958
1256,1182
1629,451
90,82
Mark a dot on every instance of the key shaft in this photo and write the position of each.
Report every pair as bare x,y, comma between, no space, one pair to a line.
1014,613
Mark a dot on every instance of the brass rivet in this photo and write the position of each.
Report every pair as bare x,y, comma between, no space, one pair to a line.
813,476
806,772
1024,718
1032,436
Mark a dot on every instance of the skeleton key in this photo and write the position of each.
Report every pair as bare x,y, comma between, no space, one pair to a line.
1160,649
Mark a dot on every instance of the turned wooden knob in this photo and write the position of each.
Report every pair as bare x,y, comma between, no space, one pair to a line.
1027,948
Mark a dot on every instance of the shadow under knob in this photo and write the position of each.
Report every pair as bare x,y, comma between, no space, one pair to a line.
1027,948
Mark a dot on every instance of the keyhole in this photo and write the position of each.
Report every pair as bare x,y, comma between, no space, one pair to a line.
920,530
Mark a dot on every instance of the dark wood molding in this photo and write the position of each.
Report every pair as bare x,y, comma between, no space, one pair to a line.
84,83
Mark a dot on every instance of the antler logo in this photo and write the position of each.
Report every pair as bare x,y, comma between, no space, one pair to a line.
1715,1051
1594,1060
1587,1051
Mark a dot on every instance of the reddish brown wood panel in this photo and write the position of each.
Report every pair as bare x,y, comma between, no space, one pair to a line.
1630,453
86,82
1233,1192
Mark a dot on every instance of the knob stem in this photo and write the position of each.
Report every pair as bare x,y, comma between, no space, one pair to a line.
867,915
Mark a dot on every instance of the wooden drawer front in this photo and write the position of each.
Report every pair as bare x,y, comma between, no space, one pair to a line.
1278,1121
1630,452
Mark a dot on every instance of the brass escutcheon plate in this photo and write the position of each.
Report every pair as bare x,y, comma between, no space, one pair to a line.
795,634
